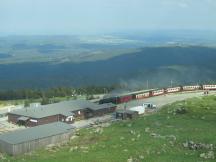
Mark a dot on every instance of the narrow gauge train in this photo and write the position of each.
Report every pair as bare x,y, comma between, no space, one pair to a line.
122,98
125,97
116,99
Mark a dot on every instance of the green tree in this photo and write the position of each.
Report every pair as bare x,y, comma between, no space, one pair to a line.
26,103
45,101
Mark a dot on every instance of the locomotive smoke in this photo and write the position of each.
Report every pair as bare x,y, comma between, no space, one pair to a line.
167,76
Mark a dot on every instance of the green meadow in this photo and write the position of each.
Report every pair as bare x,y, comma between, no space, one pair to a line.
153,138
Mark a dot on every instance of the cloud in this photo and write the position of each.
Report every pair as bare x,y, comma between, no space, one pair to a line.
183,5
177,3
211,2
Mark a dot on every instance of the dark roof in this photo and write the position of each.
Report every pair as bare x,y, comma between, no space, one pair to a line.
23,118
64,107
37,132
103,106
126,111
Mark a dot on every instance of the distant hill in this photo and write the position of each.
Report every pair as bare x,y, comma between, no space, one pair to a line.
82,48
157,65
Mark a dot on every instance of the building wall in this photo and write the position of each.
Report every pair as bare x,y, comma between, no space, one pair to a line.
38,143
80,114
132,116
49,119
32,124
6,147
121,115
13,118
102,112
125,115
63,118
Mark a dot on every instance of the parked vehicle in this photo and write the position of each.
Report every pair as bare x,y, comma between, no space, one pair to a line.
149,106
139,109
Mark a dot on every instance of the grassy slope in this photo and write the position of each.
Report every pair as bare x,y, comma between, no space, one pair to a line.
116,143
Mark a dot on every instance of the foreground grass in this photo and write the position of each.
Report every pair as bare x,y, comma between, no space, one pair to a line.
134,139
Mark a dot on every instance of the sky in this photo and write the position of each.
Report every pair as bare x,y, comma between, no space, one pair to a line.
104,16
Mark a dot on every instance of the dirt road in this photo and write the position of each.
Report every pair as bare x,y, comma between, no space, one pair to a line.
160,101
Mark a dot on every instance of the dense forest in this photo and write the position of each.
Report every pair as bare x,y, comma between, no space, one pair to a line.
157,65
30,94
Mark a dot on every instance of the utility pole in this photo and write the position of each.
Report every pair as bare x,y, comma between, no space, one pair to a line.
147,85
171,83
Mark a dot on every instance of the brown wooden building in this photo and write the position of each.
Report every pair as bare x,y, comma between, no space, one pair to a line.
126,114
67,111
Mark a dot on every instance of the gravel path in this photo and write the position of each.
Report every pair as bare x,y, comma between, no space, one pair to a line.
160,101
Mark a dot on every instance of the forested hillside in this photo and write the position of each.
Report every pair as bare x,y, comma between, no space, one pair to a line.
158,65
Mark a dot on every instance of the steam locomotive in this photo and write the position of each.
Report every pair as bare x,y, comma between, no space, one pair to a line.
126,97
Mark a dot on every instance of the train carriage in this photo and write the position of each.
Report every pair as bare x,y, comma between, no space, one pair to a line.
191,88
209,87
157,92
143,95
173,89
122,99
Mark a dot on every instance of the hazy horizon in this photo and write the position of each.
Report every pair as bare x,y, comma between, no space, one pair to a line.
149,32
64,17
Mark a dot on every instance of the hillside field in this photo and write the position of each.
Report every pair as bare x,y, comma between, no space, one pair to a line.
160,137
